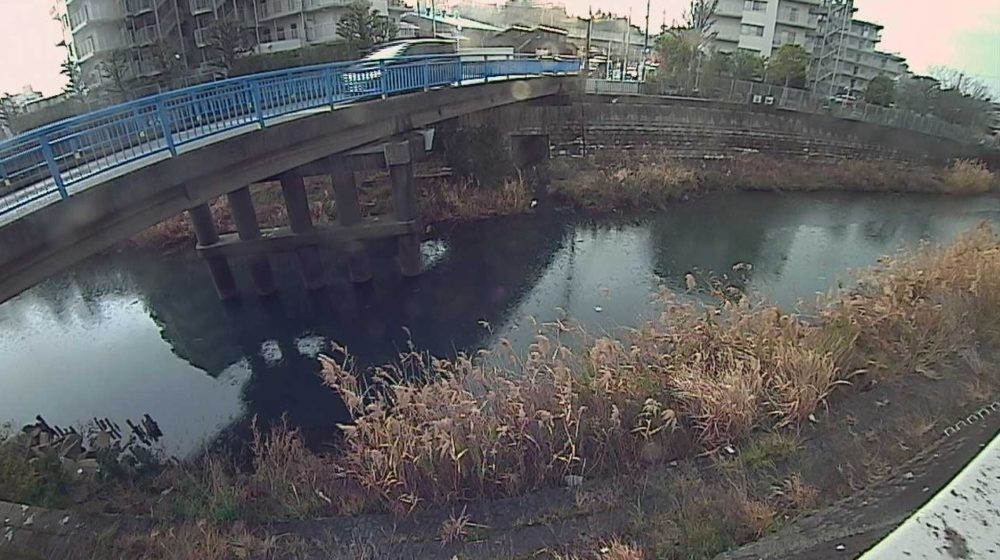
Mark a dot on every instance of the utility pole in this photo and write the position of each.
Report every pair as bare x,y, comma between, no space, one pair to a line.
645,47
434,23
627,43
590,34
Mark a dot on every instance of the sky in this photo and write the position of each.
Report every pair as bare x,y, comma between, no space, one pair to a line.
962,34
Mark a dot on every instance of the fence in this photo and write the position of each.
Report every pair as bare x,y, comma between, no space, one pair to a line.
737,91
49,160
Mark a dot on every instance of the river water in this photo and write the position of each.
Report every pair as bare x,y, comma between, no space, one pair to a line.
136,332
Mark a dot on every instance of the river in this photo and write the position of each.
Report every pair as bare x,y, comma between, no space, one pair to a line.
135,332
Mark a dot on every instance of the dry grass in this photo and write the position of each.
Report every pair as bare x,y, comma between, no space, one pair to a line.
468,428
461,200
970,177
644,180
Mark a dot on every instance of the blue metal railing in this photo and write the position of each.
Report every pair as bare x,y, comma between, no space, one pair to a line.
49,160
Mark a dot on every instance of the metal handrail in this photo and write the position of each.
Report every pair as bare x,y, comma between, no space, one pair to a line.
50,159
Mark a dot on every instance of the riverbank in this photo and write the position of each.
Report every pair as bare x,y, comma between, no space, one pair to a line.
727,423
609,182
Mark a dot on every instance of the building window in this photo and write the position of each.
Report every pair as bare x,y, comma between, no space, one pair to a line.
754,30
265,34
793,14
281,33
754,5
855,69
293,31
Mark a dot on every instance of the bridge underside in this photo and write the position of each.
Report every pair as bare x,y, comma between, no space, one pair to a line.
57,236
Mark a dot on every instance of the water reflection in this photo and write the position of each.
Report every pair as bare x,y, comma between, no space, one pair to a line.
132,333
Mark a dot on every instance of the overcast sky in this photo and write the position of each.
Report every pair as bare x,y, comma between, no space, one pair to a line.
963,34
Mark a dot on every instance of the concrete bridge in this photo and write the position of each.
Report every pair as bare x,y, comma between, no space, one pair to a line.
75,188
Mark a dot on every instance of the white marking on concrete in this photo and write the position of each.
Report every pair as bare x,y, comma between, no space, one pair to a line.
960,522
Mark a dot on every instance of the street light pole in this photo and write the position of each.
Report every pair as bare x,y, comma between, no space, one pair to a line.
645,47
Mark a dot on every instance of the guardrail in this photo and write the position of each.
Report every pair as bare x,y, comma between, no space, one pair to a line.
738,91
49,160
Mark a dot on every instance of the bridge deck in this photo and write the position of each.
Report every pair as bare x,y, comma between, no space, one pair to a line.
66,158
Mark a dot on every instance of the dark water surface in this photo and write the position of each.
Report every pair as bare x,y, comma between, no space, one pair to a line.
136,332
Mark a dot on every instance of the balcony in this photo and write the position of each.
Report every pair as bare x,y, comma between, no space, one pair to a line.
322,33
279,8
142,37
320,4
203,6
89,13
800,20
269,47
202,37
137,7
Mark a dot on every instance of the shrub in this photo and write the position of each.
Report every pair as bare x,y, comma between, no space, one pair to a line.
969,177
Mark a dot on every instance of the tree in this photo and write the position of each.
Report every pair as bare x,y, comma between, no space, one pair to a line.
167,59
881,91
74,81
229,39
739,65
918,94
116,67
788,66
681,48
361,27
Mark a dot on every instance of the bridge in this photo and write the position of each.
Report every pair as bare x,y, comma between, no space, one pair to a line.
76,187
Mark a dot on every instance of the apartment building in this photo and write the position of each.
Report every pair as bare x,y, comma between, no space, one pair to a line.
291,24
846,57
156,34
761,26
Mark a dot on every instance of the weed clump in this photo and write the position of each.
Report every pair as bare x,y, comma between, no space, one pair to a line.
969,177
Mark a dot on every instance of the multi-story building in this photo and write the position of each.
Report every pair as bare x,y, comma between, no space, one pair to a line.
152,37
761,26
843,50
845,57
291,24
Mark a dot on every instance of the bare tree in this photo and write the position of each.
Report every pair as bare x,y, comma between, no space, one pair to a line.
230,39
116,67
951,78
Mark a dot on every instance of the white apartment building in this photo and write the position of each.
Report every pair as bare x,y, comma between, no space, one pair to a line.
291,24
846,58
761,26
150,31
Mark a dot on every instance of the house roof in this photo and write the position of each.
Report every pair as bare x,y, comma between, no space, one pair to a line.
455,21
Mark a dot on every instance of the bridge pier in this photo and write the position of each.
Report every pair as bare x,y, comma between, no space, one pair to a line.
248,229
345,192
293,190
404,198
218,266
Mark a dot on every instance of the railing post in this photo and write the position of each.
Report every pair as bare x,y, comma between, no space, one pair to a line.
383,79
332,84
427,75
458,70
164,117
50,161
486,70
257,102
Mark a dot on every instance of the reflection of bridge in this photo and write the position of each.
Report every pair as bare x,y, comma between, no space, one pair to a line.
78,186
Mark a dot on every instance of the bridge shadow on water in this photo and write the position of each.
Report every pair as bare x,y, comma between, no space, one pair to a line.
138,332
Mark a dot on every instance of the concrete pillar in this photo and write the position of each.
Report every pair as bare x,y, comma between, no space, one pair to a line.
345,191
404,198
218,267
300,220
241,207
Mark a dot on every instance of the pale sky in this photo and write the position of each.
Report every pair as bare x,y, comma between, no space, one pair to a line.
963,34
